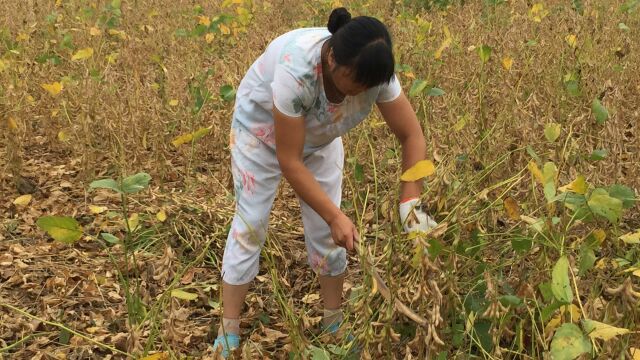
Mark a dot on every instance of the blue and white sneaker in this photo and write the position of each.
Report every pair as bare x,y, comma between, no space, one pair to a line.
227,343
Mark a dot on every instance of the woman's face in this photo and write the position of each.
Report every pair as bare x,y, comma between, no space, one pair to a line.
343,78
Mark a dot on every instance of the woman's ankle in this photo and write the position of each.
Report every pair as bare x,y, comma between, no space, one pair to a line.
332,317
229,326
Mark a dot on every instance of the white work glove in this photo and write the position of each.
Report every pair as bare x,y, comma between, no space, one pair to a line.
414,218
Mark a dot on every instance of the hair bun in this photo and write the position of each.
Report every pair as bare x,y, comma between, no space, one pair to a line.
338,18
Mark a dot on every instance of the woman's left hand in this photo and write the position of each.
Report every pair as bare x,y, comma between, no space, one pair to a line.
414,218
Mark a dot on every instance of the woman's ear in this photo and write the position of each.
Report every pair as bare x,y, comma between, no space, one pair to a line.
331,60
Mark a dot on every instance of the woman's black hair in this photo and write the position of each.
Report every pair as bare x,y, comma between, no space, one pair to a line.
362,44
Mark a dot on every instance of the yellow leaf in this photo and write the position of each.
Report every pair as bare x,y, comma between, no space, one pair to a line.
445,43
578,186
181,294
83,54
112,58
602,263
572,310
94,31
157,356
58,3
571,40
182,139
631,238
63,136
209,38
3,65
374,286
635,353
23,200
173,102
553,324
119,33
421,169
97,209
11,123
224,29
535,171
598,330
22,37
161,216
53,88
460,124
133,221
507,62
636,272
512,208
600,235
204,20
537,12
188,138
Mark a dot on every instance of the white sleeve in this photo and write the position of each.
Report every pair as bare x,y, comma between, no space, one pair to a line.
389,92
290,94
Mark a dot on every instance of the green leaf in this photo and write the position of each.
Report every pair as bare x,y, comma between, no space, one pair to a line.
510,300
64,336
181,33
604,205
560,285
545,290
550,191
599,111
181,294
199,30
623,27
552,131
106,184
135,183
434,91
110,238
227,93
573,87
548,311
571,200
61,228
521,244
549,173
435,248
264,318
624,194
316,353
578,6
358,172
533,154
417,87
587,259
67,42
484,52
482,335
569,342
629,6
598,154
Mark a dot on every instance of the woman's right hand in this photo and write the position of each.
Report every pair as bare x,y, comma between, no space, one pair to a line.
343,231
